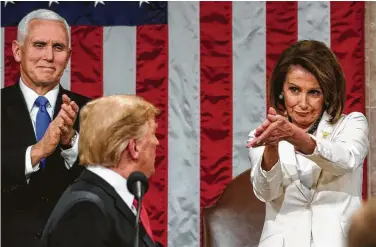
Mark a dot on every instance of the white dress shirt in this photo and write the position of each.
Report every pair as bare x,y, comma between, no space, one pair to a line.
118,182
69,155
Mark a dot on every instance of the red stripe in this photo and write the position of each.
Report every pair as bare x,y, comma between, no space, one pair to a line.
87,61
152,84
11,67
347,42
216,99
281,32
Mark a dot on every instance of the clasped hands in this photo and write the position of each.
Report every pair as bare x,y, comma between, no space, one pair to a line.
273,130
59,132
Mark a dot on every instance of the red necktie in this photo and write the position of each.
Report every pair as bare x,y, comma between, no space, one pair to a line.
144,219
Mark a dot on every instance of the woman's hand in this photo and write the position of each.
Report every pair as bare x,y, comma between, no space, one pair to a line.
275,129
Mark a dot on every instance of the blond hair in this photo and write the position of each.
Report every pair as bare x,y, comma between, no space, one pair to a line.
108,123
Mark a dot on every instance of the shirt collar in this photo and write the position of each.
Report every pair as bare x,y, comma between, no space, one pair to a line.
30,95
118,182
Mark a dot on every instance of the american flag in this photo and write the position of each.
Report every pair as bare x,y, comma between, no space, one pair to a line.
205,65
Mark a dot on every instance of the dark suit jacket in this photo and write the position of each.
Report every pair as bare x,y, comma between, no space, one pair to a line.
85,223
26,207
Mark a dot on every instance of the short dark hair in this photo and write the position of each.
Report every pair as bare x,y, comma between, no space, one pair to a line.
315,57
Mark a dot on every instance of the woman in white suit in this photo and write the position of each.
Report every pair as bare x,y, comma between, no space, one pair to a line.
307,157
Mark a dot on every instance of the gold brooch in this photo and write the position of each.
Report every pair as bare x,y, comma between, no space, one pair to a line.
325,134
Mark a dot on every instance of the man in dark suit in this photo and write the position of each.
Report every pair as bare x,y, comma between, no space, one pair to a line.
39,131
117,138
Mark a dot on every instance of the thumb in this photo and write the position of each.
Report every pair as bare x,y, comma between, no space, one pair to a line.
272,111
273,118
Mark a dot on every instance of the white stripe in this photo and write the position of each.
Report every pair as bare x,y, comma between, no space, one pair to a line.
2,56
184,125
119,60
65,80
314,21
249,76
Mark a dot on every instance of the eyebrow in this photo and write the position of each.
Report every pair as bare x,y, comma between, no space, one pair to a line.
293,84
44,42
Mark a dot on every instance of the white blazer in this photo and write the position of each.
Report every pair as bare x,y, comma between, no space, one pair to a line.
313,196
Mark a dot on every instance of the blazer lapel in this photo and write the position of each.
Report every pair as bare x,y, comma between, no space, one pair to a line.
325,131
287,157
59,101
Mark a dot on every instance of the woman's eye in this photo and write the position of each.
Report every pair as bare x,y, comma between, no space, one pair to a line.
316,93
294,89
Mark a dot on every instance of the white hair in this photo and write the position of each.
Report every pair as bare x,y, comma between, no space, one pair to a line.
40,14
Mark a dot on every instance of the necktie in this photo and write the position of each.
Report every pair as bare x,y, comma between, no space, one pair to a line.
144,219
42,122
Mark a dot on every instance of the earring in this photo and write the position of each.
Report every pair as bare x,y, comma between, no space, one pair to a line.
281,96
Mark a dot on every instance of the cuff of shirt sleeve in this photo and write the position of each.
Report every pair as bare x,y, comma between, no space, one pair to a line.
70,155
29,169
273,173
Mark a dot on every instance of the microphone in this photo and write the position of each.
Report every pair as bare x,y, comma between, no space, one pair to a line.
137,184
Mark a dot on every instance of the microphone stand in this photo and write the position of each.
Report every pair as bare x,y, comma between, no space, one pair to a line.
137,223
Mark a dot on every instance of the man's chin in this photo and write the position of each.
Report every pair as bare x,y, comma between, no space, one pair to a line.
47,81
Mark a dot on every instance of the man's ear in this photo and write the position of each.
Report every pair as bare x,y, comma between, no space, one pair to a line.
16,48
133,149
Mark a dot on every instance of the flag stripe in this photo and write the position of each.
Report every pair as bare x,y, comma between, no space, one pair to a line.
65,80
347,39
2,56
314,21
87,61
119,56
281,32
184,125
249,73
11,67
152,84
216,99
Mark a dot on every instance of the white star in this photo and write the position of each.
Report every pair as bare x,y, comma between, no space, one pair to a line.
51,2
6,2
141,2
98,2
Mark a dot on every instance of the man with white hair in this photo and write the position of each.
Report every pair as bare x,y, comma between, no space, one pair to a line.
39,128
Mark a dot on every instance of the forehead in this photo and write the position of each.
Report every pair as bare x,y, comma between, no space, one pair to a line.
301,77
47,30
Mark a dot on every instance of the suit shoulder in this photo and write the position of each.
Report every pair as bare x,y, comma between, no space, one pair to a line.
8,91
356,115
78,98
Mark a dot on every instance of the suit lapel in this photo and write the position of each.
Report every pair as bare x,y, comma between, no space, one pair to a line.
59,101
121,206
287,158
325,131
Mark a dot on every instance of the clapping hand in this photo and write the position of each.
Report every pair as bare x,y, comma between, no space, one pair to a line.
273,130
68,112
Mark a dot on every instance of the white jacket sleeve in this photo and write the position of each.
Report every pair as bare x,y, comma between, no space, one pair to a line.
347,149
267,185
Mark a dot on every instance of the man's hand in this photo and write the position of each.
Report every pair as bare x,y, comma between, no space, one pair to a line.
68,112
47,145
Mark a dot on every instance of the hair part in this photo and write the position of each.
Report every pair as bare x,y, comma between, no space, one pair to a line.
108,123
315,57
40,14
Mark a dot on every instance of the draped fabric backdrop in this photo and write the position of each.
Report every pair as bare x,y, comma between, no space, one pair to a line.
370,57
205,65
